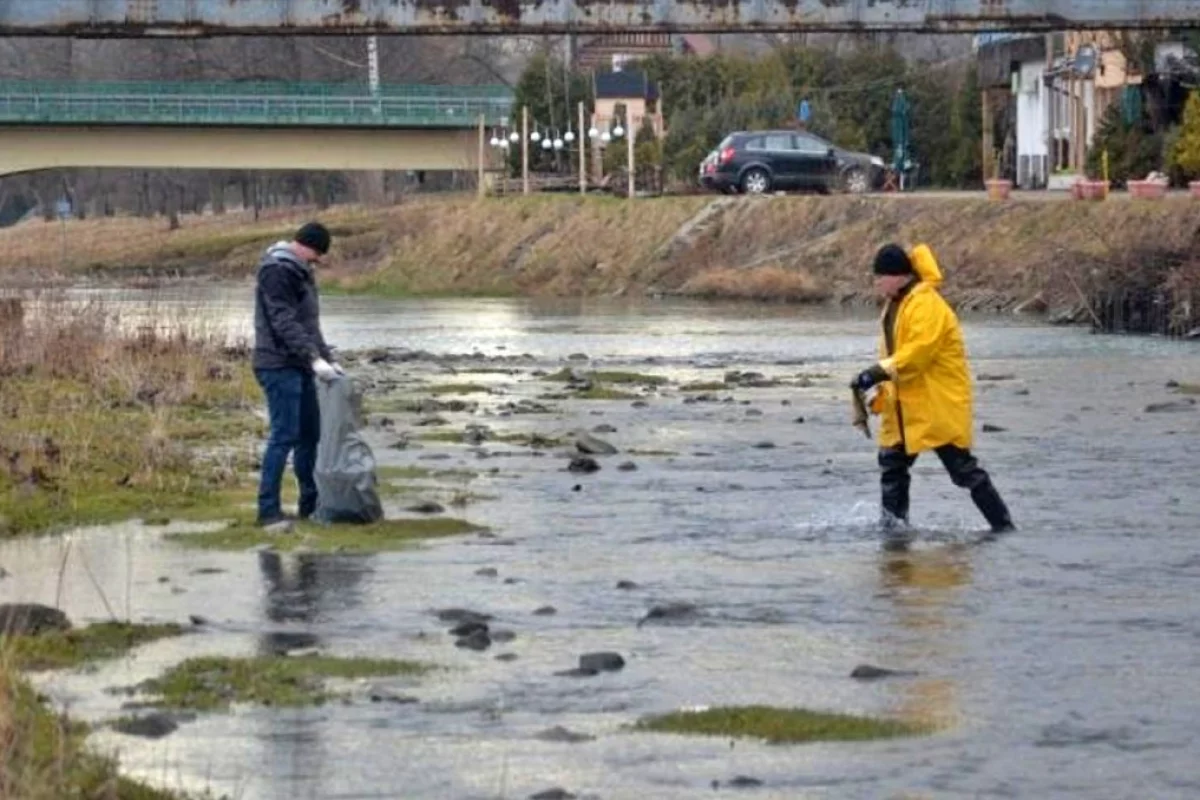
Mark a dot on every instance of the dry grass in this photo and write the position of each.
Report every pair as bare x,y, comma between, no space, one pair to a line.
228,244
1011,250
535,245
760,283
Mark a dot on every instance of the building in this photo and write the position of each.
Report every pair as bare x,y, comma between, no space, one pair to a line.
611,51
1044,97
628,96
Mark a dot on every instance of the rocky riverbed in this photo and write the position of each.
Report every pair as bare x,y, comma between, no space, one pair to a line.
671,513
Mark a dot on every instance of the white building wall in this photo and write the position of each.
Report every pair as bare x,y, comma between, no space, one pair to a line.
1031,125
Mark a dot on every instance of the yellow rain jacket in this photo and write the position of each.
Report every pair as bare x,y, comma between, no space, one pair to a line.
928,402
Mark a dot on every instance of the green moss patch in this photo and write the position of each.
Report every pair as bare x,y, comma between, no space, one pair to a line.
92,450
614,376
64,649
778,725
382,536
704,386
455,388
210,683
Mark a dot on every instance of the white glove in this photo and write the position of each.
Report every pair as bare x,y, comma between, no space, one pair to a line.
324,370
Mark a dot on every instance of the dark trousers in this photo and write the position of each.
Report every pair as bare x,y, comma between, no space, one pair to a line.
295,421
964,471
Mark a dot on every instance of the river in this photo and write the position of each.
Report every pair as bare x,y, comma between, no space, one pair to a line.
1060,660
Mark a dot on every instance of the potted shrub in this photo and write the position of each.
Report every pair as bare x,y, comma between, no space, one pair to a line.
1187,148
1154,187
1091,189
999,188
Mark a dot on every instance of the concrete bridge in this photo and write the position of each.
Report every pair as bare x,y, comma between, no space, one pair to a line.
244,125
131,18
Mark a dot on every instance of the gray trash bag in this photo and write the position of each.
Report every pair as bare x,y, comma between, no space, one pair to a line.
345,471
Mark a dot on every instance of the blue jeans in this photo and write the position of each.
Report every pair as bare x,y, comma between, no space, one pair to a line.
295,420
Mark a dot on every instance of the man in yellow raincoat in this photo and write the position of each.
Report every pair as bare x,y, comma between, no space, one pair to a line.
923,386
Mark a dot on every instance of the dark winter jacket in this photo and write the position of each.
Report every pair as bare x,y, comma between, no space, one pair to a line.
287,326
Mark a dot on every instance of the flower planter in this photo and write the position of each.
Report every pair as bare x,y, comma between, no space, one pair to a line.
1090,190
1148,190
1194,187
999,189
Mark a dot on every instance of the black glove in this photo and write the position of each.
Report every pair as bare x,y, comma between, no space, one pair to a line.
869,377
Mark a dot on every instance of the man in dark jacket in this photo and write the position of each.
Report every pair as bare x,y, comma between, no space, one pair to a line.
289,352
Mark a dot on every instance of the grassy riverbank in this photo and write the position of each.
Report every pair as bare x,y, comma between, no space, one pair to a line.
100,424
804,249
43,756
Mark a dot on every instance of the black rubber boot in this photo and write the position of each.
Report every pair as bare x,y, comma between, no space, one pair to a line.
965,472
894,482
988,500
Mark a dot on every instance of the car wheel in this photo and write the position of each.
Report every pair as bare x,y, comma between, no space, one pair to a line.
756,181
855,181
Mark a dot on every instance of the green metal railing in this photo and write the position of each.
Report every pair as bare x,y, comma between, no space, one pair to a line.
251,104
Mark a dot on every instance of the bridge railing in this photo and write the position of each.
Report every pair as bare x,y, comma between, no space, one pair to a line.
282,104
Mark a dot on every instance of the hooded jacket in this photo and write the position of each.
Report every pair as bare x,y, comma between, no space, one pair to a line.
928,401
287,328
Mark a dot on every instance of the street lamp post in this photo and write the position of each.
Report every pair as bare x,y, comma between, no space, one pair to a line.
525,149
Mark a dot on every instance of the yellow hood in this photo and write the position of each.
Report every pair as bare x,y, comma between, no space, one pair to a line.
926,265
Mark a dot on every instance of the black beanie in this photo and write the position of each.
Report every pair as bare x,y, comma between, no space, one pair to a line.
892,260
314,235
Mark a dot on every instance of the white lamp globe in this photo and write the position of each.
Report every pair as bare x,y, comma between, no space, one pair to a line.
593,133
495,142
569,136
618,131
535,136
605,137
558,144
545,144
514,137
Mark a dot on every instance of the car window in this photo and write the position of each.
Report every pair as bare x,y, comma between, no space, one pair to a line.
811,144
778,141
754,143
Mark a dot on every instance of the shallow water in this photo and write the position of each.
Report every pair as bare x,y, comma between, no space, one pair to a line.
1060,660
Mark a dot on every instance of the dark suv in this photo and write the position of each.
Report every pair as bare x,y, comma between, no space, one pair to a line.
754,162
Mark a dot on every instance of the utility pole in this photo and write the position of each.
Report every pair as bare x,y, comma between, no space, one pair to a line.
374,180
482,157
583,140
629,137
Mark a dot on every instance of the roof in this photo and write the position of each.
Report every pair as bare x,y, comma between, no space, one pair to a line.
626,84
995,60
699,44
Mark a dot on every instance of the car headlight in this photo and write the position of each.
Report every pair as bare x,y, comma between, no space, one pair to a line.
876,161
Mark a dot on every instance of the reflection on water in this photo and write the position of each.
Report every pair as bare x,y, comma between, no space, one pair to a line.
923,586
1057,662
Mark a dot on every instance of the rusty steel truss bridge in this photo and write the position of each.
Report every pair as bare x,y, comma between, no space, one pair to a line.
183,18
